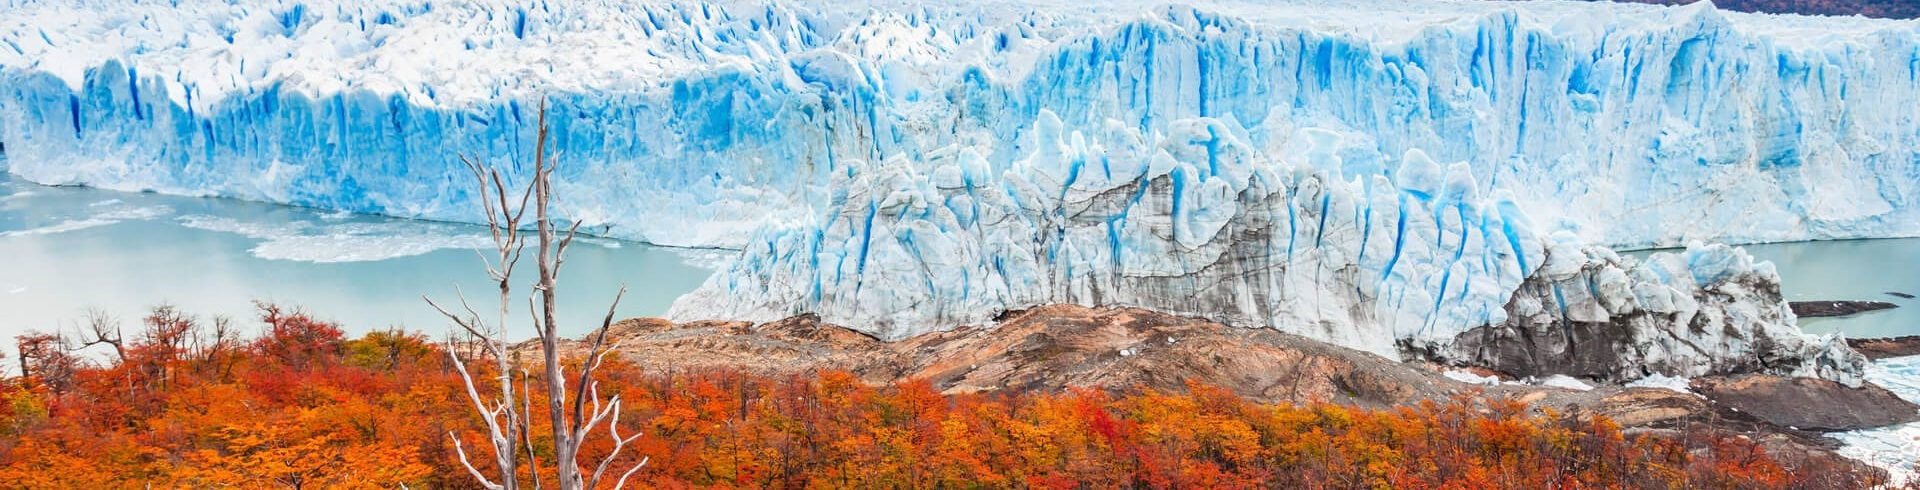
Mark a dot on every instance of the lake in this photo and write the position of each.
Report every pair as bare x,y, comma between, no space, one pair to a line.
66,249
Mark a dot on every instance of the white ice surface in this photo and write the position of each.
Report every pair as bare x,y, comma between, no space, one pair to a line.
695,123
307,241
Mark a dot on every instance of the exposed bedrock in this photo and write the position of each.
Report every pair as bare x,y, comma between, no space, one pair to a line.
1884,348
1810,404
1826,308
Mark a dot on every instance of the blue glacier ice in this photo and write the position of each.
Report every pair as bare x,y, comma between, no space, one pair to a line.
695,123
1385,175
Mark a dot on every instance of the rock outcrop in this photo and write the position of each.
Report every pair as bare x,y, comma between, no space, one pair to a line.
1810,404
1056,347
1883,348
1060,346
1045,348
1816,309
1707,311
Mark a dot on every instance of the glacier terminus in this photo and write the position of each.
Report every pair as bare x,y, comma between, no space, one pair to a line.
1424,179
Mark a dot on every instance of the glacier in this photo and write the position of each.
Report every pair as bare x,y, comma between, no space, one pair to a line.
696,123
1388,176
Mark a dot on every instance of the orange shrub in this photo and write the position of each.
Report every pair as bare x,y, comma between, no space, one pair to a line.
304,408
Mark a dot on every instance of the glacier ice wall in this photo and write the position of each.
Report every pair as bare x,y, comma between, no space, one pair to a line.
1193,222
1379,174
696,123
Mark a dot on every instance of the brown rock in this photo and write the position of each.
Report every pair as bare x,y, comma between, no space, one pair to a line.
1883,348
1808,403
1815,309
1642,407
1046,348
1054,347
1060,346
789,346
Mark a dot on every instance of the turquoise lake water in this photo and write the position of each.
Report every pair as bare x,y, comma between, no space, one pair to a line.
1851,270
66,249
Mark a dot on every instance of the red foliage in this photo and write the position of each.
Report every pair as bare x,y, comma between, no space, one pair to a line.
303,407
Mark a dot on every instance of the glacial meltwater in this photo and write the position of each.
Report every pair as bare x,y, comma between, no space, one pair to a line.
64,250
1866,270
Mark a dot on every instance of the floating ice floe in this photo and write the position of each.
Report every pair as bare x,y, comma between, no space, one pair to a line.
342,242
118,214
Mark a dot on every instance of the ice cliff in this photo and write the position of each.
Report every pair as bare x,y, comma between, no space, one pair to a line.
696,123
1385,175
1194,222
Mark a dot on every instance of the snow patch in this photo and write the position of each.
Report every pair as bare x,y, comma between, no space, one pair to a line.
1564,382
1470,378
1664,382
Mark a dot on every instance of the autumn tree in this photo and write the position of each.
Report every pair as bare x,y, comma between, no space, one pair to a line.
46,359
297,340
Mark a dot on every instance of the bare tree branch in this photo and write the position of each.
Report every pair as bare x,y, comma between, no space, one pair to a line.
462,451
507,419
463,323
613,428
591,362
103,328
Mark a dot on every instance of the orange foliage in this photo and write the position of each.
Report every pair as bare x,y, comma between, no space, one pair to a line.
302,407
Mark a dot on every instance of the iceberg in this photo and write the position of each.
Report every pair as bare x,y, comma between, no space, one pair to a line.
1385,175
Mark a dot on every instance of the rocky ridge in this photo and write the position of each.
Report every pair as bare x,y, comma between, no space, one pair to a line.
1058,347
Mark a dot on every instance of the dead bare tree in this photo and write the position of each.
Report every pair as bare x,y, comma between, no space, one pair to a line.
571,419
103,328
